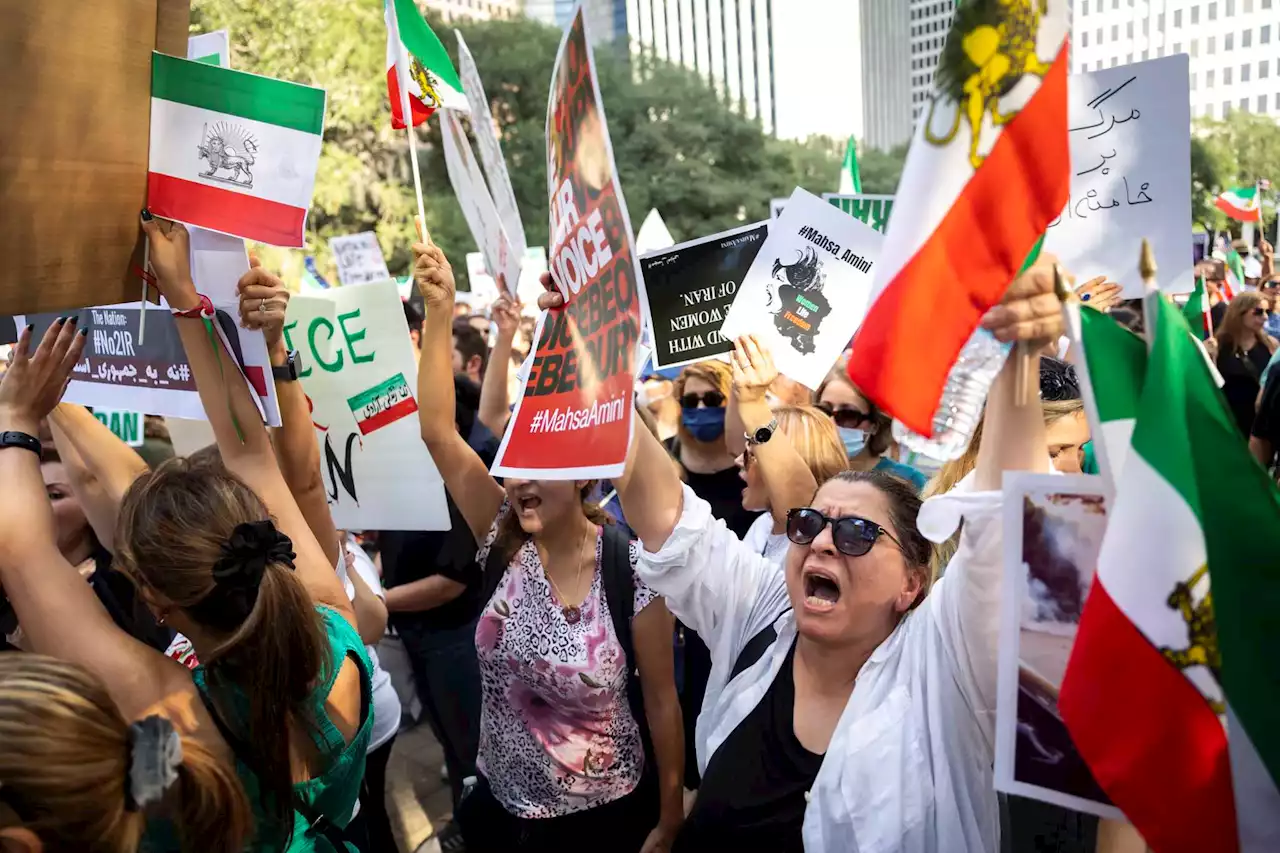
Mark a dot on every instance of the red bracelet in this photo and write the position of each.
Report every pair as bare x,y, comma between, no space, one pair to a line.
204,309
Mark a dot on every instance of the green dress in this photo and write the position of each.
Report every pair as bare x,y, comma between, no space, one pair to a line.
331,796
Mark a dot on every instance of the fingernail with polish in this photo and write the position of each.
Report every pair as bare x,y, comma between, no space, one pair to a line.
84,333
30,326
1085,297
146,215
74,319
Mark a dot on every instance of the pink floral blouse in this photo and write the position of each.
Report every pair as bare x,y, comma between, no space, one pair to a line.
556,733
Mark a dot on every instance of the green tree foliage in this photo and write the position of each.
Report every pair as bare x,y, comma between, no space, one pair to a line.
679,147
1234,152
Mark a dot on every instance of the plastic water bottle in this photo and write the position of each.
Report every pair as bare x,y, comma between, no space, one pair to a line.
963,397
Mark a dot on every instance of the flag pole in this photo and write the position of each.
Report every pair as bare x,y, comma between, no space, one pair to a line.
406,112
1147,269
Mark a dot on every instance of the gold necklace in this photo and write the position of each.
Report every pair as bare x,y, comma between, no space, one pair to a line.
572,613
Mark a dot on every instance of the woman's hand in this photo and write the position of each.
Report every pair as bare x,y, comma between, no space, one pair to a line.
264,300
753,369
552,300
170,257
1099,293
433,275
506,314
1031,310
659,840
34,382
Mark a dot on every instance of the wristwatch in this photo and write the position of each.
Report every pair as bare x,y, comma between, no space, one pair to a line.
20,439
763,434
287,372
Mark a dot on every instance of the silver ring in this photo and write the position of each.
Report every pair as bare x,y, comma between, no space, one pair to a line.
262,306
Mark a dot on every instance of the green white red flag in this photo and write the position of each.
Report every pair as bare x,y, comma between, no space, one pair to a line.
1241,203
1171,689
416,56
232,151
975,198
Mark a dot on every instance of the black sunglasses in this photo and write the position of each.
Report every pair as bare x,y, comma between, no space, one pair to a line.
847,418
853,535
711,399
1261,312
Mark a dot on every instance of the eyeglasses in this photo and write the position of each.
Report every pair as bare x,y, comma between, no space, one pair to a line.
711,399
848,418
853,535
1261,312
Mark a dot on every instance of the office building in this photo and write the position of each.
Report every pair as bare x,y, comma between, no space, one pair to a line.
887,72
1232,45
483,10
797,73
606,19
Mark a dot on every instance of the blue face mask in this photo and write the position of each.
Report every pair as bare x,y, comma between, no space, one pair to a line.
854,440
703,424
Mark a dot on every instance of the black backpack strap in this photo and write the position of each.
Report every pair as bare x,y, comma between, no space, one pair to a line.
318,823
619,585
755,648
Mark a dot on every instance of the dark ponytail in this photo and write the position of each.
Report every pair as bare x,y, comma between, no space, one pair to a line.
232,573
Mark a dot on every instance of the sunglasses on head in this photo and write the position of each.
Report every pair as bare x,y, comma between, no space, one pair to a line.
853,535
711,399
848,417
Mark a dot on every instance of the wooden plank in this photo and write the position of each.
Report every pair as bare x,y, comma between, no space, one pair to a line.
75,90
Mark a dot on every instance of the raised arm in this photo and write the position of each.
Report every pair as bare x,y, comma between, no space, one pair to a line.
263,307
786,476
101,466
57,610
477,494
495,408
237,426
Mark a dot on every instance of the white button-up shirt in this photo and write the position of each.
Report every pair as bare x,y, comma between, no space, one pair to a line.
909,766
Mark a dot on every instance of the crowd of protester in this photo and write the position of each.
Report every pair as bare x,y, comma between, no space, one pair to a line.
774,631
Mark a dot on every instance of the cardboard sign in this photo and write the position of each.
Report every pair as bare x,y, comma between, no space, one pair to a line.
359,373
808,288
874,210
574,416
477,205
495,165
359,258
1131,175
1053,528
118,372
73,152
127,426
690,288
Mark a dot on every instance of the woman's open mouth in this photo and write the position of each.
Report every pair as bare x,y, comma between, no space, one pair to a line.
821,592
526,504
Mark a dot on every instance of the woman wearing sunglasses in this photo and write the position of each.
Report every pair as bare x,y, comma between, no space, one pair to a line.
849,708
864,429
1244,348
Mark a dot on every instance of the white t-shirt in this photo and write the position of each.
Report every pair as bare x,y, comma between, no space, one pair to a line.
386,704
762,540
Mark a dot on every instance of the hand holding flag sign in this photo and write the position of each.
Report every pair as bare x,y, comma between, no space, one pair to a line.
988,170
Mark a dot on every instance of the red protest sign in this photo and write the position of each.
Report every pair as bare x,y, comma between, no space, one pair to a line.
573,418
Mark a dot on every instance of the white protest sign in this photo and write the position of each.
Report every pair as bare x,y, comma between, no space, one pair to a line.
653,235
484,288
127,426
808,288
359,258
477,205
358,371
1130,175
210,48
486,132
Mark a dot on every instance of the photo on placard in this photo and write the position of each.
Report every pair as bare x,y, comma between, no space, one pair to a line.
690,288
1053,533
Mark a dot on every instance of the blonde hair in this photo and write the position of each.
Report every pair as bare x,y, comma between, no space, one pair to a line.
951,473
64,768
815,438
